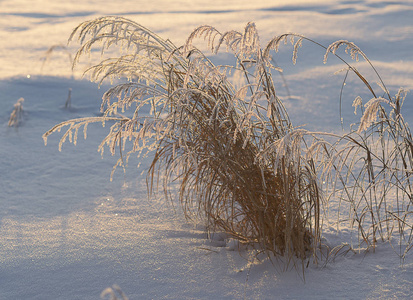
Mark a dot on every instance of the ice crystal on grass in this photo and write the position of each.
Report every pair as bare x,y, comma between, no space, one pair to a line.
370,114
351,49
358,102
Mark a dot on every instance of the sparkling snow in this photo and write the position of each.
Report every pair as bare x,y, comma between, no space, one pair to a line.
67,232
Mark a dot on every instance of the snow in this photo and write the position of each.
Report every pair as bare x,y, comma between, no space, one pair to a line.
67,232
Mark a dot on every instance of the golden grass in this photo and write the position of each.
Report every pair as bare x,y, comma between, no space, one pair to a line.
239,163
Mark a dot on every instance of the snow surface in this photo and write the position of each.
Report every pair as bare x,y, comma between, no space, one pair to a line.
67,232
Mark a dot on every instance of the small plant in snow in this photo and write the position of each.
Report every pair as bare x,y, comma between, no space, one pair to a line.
240,163
16,114
68,102
46,58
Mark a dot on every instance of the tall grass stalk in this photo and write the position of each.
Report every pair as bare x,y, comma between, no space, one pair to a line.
239,162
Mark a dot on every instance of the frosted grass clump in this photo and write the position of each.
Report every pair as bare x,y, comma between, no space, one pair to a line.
16,114
240,165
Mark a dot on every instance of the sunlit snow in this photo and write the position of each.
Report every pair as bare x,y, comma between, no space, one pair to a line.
67,232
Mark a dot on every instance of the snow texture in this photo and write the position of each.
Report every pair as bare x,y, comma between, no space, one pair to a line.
67,232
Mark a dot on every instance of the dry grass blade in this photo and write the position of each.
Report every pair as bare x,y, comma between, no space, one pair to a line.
54,48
